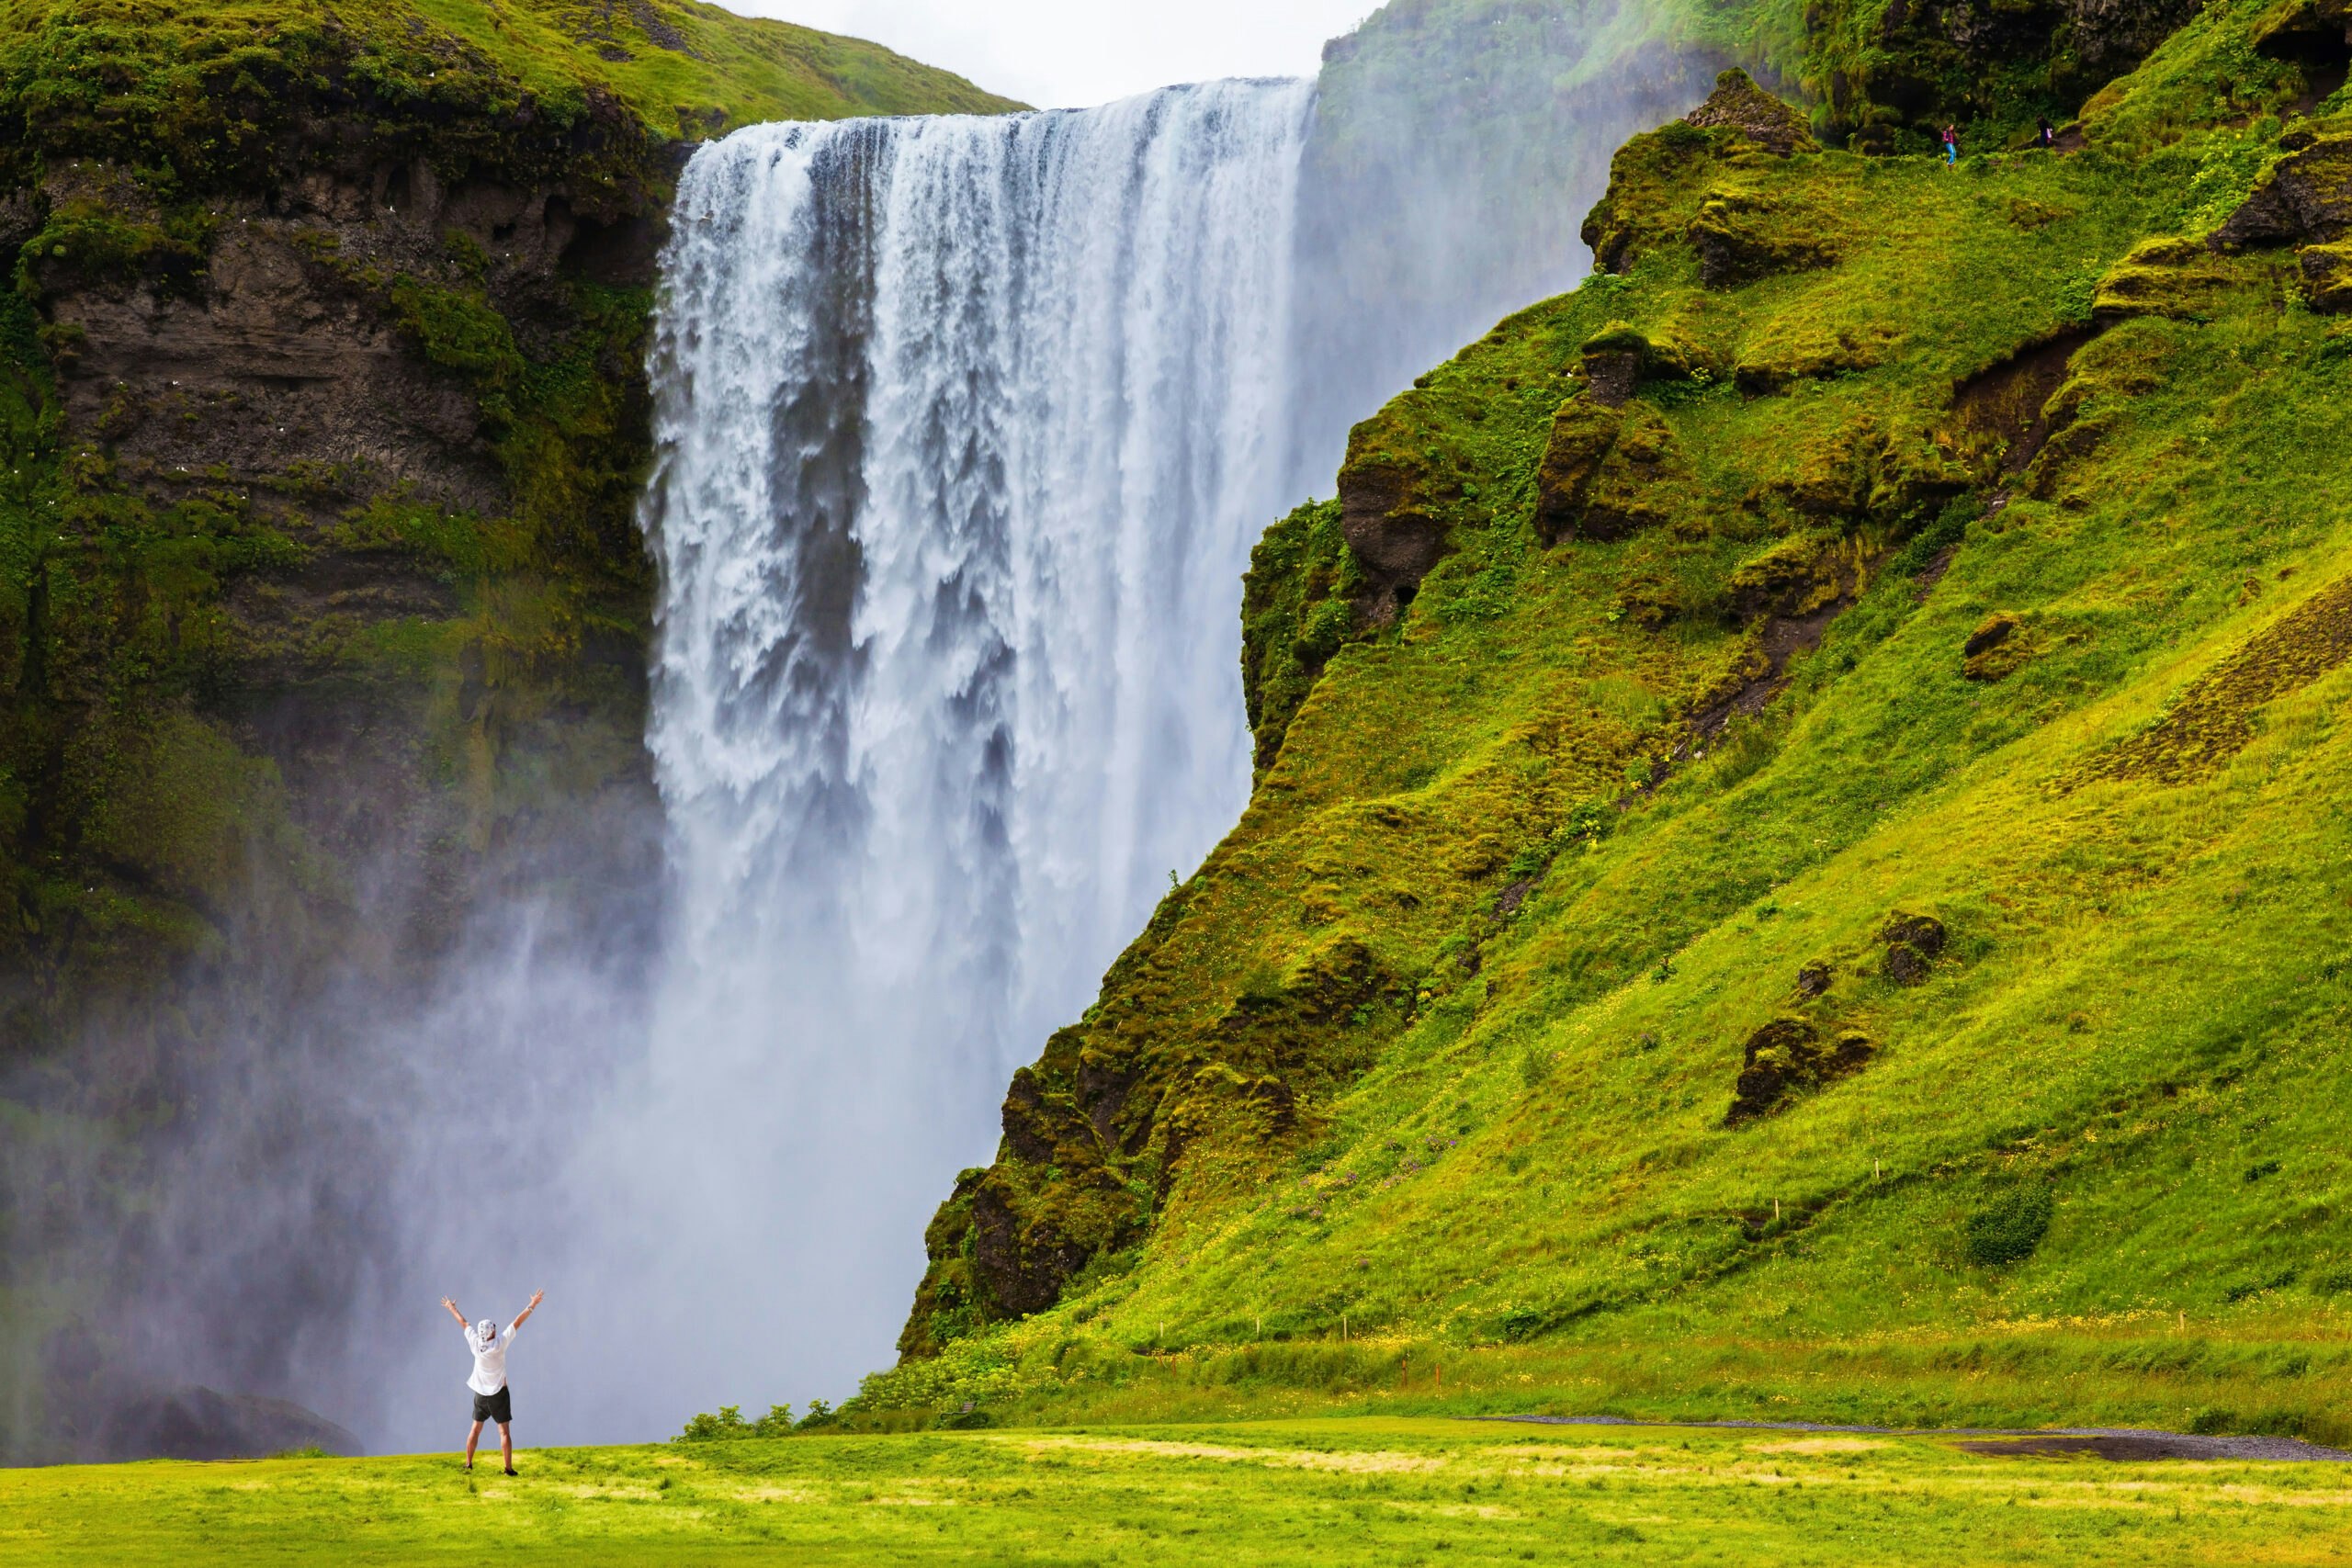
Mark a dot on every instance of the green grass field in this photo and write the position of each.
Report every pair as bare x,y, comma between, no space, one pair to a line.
1359,1492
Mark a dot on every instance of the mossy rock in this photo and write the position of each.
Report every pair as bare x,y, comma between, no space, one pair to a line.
2305,196
1998,647
1738,105
1608,472
2172,276
2327,278
1786,1057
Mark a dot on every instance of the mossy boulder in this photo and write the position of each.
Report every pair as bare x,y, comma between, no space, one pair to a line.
1607,473
2327,278
2171,275
1739,106
1786,1057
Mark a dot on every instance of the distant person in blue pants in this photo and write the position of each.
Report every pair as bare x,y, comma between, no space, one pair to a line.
1951,146
492,1400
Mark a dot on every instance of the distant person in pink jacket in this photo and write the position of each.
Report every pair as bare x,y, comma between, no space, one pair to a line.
492,1401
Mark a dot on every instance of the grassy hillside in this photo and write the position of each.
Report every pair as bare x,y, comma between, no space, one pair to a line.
193,81
1801,830
1370,1492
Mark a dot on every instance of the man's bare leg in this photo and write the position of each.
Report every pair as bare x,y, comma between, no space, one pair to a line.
472,1438
506,1446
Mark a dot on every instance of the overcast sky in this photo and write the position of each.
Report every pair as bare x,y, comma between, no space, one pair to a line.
1072,53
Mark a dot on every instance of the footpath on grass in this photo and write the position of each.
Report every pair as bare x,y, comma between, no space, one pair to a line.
2105,1442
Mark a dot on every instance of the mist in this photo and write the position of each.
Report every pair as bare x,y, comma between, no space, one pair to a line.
964,431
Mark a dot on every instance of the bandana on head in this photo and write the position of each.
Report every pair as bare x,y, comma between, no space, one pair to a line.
487,1329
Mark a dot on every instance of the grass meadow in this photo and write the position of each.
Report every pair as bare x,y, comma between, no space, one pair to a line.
1361,1490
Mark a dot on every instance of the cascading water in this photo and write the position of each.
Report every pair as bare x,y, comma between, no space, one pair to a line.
966,427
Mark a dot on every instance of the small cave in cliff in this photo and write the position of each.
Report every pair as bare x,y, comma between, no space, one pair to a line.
2318,39
619,254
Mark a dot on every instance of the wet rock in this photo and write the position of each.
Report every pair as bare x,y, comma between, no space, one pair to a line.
1787,1056
1812,980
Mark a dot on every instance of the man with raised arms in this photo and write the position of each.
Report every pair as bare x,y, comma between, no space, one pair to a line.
492,1400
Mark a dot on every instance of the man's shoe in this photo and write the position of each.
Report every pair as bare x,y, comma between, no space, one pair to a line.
510,1470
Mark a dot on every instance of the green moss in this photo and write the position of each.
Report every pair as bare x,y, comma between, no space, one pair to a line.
458,330
232,93
1297,611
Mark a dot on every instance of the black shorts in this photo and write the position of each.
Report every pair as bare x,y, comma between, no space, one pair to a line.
498,1408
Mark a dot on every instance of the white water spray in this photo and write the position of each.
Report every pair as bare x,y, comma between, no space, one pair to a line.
966,427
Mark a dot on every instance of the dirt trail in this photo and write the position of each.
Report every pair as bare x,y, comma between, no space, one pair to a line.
2135,1443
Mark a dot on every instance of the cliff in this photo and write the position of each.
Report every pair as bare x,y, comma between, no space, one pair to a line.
1799,824
326,416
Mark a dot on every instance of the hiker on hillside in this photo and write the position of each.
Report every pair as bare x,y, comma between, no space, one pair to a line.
1951,146
492,1400
2048,137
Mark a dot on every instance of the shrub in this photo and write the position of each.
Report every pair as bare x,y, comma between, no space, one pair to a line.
2007,1229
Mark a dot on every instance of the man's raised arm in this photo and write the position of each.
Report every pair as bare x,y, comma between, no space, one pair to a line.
455,1312
524,1316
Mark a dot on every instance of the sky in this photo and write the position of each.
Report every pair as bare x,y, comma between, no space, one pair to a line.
1075,53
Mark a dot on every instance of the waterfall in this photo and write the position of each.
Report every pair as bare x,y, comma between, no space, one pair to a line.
966,427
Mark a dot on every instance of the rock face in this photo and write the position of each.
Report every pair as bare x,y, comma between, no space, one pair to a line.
1918,64
1388,515
2305,199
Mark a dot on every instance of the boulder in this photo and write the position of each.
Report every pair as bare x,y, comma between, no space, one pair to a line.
1924,932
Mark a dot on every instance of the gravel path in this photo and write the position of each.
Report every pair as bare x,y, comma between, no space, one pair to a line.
2106,1442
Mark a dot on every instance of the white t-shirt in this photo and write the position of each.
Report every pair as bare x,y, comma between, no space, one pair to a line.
490,1361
